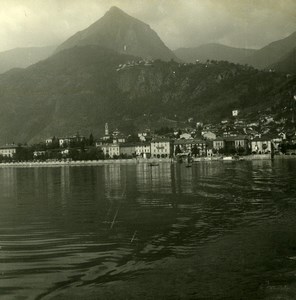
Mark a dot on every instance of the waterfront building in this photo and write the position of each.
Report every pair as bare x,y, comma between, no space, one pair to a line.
161,148
261,145
231,143
127,149
8,150
110,150
143,149
192,147
242,142
218,143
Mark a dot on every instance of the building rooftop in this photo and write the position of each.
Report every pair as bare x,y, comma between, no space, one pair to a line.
191,141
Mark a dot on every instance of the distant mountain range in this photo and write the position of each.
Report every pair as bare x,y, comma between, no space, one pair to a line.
265,58
99,76
118,31
23,57
214,52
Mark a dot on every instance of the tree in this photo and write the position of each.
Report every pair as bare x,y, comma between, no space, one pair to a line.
240,150
23,154
133,138
91,140
177,150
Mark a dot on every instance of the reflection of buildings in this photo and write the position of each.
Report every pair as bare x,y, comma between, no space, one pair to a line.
65,183
8,182
154,179
114,182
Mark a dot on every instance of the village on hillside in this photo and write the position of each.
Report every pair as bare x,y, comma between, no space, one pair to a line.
233,137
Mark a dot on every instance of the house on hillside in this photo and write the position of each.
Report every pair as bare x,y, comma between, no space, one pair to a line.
66,141
48,141
119,139
209,135
186,136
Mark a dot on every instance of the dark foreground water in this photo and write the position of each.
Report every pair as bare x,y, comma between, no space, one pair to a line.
214,231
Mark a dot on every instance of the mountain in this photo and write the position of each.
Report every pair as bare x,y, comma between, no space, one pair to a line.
23,57
213,52
120,32
81,88
272,53
287,64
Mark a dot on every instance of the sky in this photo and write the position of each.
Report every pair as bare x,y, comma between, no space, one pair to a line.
179,23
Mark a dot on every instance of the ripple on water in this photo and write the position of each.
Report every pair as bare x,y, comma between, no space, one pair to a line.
59,235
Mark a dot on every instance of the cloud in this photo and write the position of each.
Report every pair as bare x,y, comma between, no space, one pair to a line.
241,23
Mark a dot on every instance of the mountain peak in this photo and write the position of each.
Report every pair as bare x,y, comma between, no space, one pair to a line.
118,31
115,9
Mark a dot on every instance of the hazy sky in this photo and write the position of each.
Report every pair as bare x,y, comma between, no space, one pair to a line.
241,23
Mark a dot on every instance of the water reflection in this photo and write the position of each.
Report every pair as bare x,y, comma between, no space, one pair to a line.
71,226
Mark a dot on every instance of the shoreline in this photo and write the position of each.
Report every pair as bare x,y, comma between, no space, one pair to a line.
138,161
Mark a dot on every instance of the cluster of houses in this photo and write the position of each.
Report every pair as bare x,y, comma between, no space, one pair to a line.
211,141
165,148
183,144
131,64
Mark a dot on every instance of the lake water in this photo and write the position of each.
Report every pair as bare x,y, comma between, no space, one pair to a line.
219,230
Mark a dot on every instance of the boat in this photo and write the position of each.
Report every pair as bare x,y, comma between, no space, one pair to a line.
188,166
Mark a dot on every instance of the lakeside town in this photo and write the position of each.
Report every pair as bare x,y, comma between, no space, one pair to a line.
232,138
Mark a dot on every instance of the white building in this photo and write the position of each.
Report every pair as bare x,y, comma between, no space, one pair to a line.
39,153
261,146
8,150
143,149
110,150
161,148
65,141
235,113
48,141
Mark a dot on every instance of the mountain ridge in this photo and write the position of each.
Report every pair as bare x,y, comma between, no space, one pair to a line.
272,53
23,57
